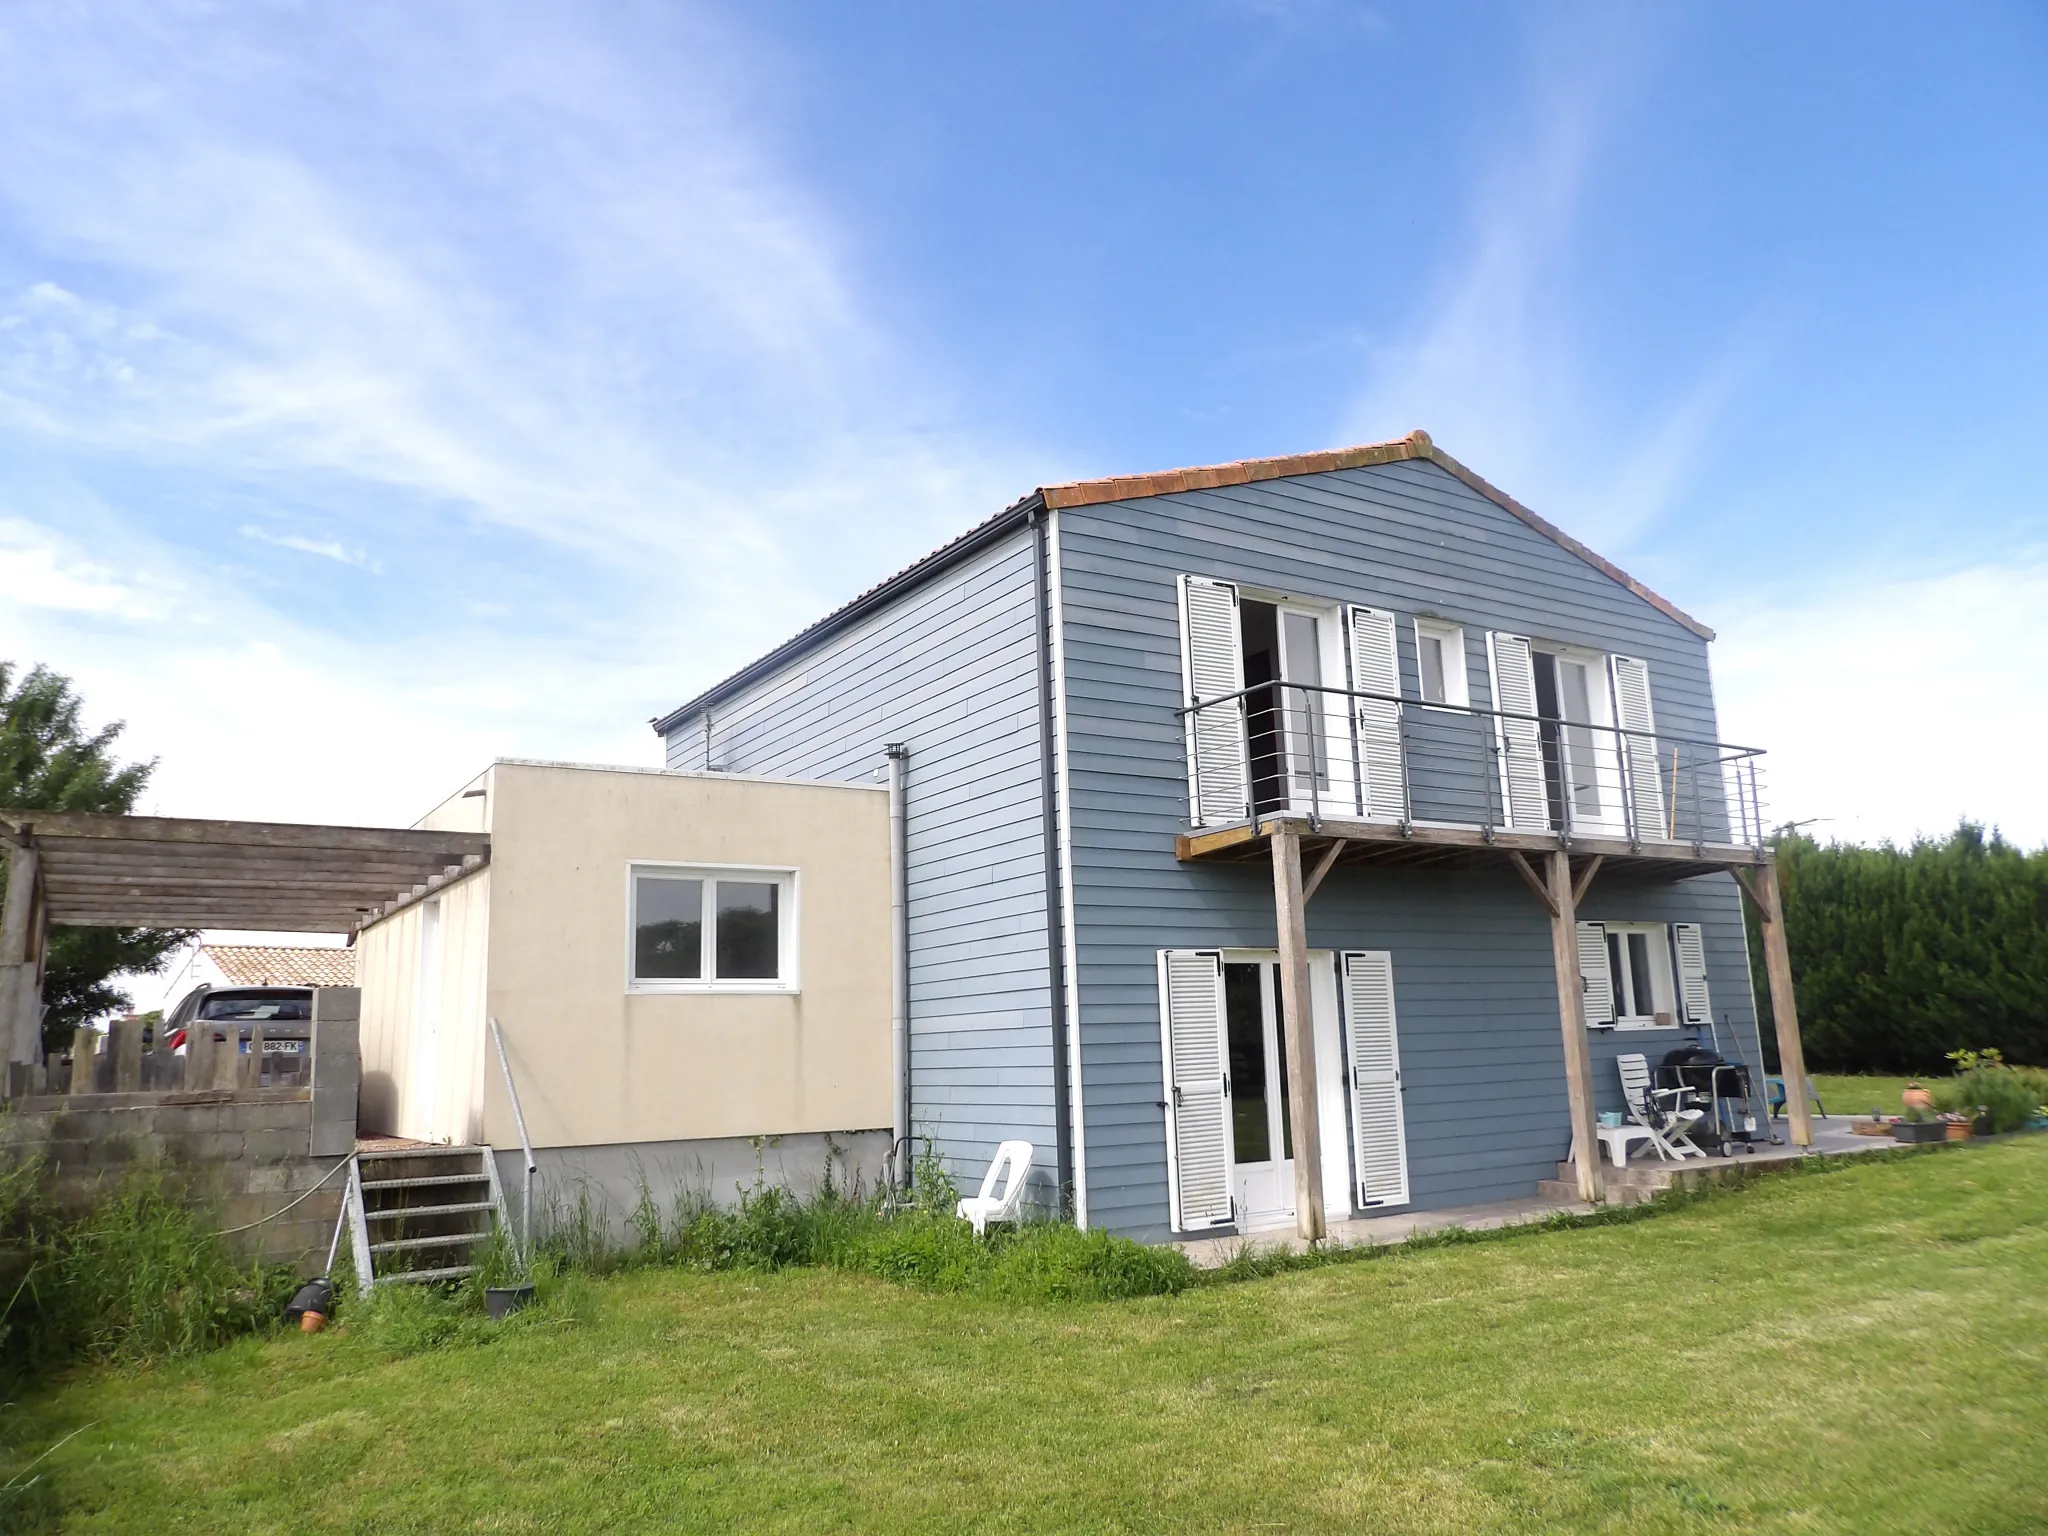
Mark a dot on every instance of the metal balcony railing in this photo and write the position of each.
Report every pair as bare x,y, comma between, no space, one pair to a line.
1340,753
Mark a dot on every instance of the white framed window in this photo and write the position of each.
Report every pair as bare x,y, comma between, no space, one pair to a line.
1440,662
1639,970
710,928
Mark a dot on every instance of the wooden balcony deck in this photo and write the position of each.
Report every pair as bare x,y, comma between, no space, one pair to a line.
1428,846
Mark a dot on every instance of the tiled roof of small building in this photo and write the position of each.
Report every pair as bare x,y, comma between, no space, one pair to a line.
280,965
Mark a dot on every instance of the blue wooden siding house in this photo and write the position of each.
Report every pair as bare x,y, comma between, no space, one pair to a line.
1281,842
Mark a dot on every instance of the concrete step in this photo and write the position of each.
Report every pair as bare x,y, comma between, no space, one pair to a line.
1649,1173
1617,1194
406,1212
415,1276
371,1186
447,1240
394,1154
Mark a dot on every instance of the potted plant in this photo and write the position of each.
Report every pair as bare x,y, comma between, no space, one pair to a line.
1919,1124
1959,1126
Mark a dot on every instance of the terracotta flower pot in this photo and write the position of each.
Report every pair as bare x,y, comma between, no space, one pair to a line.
1916,1097
312,1322
1960,1130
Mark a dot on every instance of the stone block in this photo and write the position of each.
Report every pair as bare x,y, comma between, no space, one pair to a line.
190,1119
274,1146
268,1179
269,1117
205,1147
331,1138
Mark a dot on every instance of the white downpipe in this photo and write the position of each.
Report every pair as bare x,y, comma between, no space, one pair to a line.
525,1146
1075,1120
899,932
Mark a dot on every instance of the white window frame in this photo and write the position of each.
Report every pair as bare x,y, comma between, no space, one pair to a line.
1663,978
1606,763
788,927
1457,684
1333,711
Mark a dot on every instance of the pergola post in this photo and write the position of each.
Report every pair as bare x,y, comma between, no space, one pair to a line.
1291,910
1571,1005
1762,888
21,1010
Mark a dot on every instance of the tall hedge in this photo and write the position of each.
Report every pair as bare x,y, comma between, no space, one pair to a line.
1901,955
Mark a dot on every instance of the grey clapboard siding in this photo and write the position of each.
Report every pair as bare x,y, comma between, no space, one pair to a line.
951,668
1474,988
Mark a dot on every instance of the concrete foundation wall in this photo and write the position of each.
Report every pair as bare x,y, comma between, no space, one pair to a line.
608,1179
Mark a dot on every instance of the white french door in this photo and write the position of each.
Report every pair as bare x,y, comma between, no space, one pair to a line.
1261,1104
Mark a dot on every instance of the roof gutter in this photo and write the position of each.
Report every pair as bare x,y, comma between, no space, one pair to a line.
968,545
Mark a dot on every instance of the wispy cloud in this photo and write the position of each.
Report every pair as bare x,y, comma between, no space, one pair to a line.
326,549
521,300
1496,362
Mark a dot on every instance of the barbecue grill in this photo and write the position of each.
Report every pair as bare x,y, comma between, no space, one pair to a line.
1728,1090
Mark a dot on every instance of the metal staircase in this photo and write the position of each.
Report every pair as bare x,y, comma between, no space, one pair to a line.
421,1213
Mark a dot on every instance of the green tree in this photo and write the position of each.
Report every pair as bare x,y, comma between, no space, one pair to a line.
1901,955
49,762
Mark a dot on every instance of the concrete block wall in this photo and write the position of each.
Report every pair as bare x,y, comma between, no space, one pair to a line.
245,1155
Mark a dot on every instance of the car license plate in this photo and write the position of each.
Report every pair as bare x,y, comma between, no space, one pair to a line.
284,1047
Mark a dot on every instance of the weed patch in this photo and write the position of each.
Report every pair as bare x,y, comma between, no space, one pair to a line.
141,1275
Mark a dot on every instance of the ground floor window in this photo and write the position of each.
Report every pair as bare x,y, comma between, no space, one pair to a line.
1639,965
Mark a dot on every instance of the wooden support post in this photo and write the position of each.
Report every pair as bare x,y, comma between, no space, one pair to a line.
126,1039
21,1012
1762,886
1291,909
251,1075
1571,1005
1323,866
227,1057
198,1056
84,1056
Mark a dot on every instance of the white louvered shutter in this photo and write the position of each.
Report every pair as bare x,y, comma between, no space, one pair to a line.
1595,976
1689,944
1377,1128
1632,713
1219,772
1375,668
1513,665
1197,1091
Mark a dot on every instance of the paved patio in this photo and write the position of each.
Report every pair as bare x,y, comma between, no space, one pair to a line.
1831,1138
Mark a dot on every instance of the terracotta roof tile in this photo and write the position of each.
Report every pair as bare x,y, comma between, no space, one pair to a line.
279,965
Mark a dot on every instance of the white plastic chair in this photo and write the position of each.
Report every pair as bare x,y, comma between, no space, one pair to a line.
1666,1113
1013,1157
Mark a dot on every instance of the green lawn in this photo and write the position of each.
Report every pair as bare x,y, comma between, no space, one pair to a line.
1857,1096
1858,1349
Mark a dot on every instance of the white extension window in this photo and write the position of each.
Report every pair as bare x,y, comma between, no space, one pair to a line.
711,928
1440,662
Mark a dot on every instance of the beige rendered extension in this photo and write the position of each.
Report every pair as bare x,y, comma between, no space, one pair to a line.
539,939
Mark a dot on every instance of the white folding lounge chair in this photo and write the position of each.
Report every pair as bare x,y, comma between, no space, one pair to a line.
1668,1114
1013,1157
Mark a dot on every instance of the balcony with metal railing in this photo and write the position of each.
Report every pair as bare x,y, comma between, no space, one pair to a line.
1397,781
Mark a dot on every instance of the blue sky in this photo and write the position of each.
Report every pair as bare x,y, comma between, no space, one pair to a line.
388,387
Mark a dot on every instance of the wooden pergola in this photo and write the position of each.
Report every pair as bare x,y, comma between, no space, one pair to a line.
1558,872
105,871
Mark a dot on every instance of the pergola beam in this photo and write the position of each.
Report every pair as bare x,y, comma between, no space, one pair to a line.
170,872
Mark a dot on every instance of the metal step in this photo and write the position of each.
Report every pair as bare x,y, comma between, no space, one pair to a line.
399,1212
414,1276
451,1240
358,1215
371,1186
